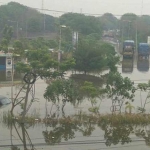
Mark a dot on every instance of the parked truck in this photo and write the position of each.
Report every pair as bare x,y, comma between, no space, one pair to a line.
143,51
128,48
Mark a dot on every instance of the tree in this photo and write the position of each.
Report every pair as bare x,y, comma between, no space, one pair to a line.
18,47
94,94
34,25
144,87
30,21
7,35
129,107
62,90
88,57
93,57
81,23
40,65
109,21
119,89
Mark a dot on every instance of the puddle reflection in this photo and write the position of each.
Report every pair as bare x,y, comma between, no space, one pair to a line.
6,75
143,65
65,131
127,65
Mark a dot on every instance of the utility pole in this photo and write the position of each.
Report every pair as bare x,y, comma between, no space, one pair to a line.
43,17
122,33
136,36
129,29
12,77
17,30
142,8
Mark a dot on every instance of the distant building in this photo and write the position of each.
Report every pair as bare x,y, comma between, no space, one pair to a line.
6,67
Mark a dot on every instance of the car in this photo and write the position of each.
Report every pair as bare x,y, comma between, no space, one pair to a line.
4,101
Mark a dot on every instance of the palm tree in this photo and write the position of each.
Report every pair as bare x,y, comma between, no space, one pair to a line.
129,107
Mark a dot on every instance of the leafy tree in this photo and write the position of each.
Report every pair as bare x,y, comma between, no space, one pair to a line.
94,94
109,21
29,20
62,90
34,25
52,44
144,87
93,57
18,47
40,64
81,23
38,43
129,17
88,57
119,89
129,107
89,90
7,35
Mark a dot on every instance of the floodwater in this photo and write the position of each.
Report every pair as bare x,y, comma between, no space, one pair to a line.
87,136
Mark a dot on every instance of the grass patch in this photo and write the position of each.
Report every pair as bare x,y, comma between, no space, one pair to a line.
100,120
81,78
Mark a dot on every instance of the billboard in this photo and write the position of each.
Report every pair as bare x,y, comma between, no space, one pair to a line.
75,40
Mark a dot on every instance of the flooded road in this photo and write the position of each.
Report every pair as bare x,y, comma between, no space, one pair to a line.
80,134
75,136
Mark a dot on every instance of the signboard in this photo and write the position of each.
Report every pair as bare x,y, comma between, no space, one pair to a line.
148,40
75,39
5,55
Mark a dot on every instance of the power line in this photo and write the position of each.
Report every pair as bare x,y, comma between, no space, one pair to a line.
91,14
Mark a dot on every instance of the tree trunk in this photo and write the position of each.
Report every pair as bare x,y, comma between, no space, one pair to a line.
63,113
24,137
25,103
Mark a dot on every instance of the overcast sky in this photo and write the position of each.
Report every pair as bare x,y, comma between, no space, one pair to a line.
117,7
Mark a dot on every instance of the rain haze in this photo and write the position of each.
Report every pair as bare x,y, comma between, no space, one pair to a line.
97,7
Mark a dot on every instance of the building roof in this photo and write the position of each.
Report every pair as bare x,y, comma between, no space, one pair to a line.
129,41
8,54
5,54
